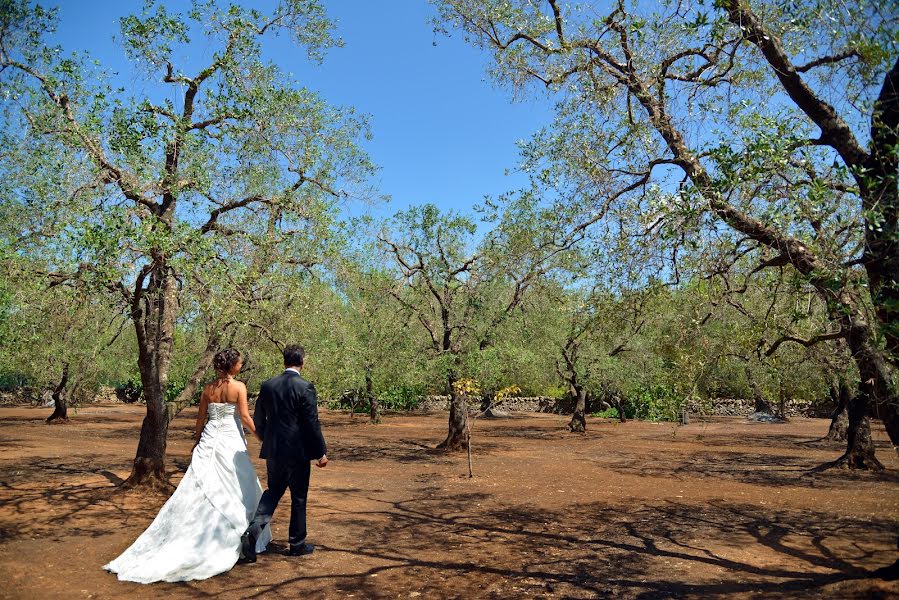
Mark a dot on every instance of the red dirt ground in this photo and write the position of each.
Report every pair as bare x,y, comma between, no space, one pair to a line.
725,508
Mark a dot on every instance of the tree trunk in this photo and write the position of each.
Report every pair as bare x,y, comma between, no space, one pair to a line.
61,398
578,422
782,399
488,405
761,404
468,447
619,404
153,314
374,414
860,447
839,419
880,197
457,436
875,383
148,470
486,402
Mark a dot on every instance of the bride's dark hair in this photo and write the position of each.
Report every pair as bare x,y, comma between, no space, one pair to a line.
225,360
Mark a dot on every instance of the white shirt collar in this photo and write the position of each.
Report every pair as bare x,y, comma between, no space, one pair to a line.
297,371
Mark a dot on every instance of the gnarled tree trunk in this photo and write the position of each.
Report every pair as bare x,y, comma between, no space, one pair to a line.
578,422
761,404
61,398
153,313
860,447
619,404
875,384
374,414
457,437
839,419
880,195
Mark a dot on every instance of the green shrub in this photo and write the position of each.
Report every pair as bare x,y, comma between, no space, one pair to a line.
354,399
402,397
129,391
133,391
173,388
554,391
654,403
11,381
398,397
609,413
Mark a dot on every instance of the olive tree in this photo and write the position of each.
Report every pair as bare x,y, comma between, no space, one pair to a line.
461,292
168,178
770,128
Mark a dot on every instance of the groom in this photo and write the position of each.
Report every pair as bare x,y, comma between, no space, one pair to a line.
286,419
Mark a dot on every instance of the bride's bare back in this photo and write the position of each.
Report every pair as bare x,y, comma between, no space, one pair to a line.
223,391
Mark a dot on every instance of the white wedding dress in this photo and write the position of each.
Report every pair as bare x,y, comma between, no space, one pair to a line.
197,532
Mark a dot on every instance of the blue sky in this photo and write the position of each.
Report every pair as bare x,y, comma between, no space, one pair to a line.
443,133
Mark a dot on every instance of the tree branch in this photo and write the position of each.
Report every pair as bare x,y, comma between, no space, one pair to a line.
826,60
834,130
835,335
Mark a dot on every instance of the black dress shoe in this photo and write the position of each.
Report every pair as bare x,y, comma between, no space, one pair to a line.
301,550
248,547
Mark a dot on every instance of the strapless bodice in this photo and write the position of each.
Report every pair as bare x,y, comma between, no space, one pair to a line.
220,411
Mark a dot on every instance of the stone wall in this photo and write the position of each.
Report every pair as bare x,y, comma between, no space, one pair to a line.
25,396
733,407
38,397
736,407
534,404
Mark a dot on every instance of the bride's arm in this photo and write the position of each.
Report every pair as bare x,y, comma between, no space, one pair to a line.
244,409
201,417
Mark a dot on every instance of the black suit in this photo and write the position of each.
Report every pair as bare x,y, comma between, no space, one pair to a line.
286,418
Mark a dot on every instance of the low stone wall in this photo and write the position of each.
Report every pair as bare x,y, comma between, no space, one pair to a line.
534,404
722,407
733,407
738,407
25,396
38,397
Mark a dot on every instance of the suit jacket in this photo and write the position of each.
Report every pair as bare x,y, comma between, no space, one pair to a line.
286,418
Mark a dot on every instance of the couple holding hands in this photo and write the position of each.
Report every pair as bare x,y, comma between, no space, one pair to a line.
219,514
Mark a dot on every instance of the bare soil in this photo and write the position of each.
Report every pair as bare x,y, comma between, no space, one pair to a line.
724,508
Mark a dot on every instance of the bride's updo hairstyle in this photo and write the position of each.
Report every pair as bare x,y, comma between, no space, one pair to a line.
225,360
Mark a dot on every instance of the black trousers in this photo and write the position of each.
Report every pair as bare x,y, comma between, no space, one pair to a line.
281,476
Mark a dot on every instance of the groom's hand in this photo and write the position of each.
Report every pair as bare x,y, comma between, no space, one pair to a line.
322,462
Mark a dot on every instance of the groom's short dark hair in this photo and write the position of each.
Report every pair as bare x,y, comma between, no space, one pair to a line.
294,354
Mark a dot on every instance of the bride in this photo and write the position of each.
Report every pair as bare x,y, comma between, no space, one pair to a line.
197,532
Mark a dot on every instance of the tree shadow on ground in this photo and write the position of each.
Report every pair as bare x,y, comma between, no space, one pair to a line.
554,432
442,545
770,470
786,442
402,451
57,497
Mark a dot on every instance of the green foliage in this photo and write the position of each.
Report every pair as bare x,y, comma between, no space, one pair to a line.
11,380
766,175
132,390
402,307
553,391
396,397
215,195
609,413
402,397
656,403
129,391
